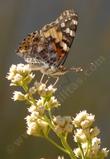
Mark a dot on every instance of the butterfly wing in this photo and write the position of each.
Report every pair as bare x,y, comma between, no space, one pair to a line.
60,35
52,43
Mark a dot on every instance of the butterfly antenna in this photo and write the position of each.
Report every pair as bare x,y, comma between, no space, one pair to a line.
76,69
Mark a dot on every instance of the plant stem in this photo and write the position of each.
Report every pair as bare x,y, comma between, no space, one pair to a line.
50,115
63,140
82,153
67,147
89,147
55,144
25,87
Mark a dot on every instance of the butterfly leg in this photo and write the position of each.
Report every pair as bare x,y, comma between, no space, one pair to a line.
42,77
56,81
47,80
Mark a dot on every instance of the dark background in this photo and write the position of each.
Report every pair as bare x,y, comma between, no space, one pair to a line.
88,90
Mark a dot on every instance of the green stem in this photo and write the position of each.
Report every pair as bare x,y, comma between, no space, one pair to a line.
68,148
33,101
50,115
88,148
30,98
82,152
25,87
56,145
49,122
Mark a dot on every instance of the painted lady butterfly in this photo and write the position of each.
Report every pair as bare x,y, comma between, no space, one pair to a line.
46,50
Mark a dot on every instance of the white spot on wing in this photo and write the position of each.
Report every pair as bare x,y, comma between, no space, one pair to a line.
75,22
64,46
62,25
66,20
72,33
68,13
67,30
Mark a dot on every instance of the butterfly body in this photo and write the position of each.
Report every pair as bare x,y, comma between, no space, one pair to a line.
47,49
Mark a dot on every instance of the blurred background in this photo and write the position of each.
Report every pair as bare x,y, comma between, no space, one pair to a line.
88,90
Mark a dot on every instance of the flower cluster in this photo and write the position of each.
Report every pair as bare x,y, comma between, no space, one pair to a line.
36,124
63,124
36,121
17,95
85,135
41,122
20,74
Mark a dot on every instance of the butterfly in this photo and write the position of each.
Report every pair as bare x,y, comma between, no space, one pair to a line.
47,49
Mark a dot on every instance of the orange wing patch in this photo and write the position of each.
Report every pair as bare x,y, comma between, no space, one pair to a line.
58,51
52,32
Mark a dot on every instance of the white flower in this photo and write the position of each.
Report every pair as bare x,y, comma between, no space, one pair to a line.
85,124
79,136
13,68
19,74
21,68
32,108
32,117
43,125
11,72
51,89
28,78
49,103
94,152
77,152
41,110
68,119
32,90
84,146
35,108
36,126
18,96
105,152
58,129
52,103
63,124
32,128
35,115
68,128
41,102
83,119
59,120
17,78
31,123
60,157
94,132
43,91
96,144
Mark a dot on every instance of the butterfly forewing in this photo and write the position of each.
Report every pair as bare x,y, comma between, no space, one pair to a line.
51,44
60,35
